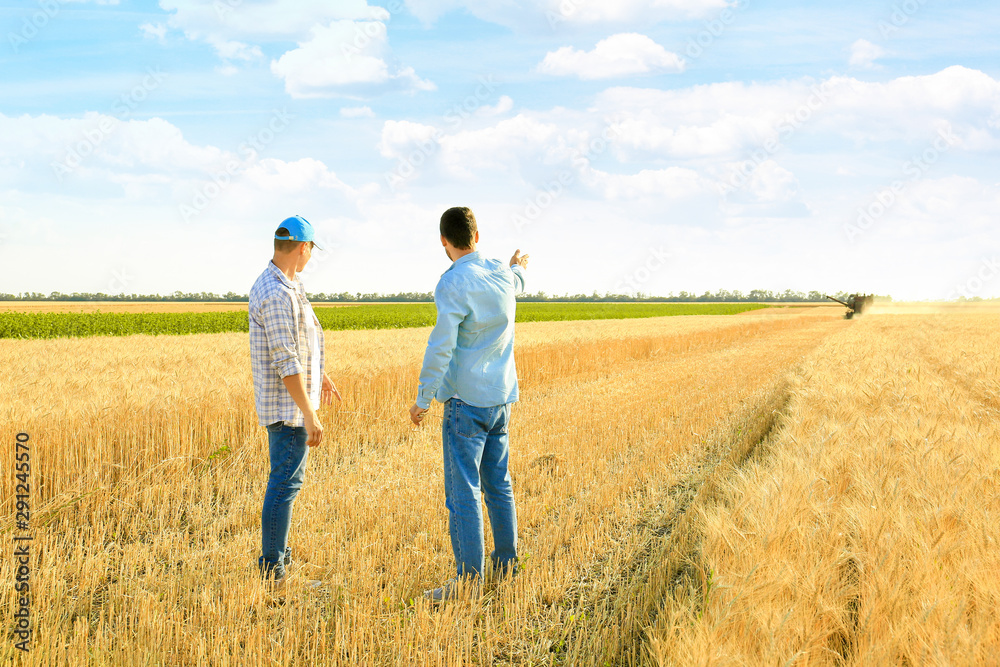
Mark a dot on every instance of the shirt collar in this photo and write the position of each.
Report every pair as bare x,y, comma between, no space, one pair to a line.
466,258
281,275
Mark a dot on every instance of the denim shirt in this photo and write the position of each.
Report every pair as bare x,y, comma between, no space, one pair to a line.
470,352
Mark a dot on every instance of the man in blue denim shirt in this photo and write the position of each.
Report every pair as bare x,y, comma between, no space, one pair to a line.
469,366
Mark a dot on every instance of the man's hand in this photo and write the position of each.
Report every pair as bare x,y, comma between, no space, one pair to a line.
296,386
417,414
314,429
329,391
519,259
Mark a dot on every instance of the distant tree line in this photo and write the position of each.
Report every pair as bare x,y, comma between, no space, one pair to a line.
753,296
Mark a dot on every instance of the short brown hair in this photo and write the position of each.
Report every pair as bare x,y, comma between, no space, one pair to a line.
458,226
285,246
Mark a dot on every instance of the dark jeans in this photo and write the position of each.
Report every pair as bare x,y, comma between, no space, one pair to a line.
288,452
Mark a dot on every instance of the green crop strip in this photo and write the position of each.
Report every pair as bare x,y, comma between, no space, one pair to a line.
373,316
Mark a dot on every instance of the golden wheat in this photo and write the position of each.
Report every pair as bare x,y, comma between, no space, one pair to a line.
865,532
628,451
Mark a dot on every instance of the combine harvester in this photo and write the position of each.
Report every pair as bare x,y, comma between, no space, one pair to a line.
857,304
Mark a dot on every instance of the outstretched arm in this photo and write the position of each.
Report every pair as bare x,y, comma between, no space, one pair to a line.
518,264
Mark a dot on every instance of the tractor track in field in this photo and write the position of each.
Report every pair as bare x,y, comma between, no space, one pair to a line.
604,616
668,561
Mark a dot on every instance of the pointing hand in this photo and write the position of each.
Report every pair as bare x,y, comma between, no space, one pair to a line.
519,259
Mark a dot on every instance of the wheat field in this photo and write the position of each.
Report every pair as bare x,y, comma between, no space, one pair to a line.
865,532
690,491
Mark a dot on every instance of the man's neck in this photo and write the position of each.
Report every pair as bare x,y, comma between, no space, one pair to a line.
459,254
286,264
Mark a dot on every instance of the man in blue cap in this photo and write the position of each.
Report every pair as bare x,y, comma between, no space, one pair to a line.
289,384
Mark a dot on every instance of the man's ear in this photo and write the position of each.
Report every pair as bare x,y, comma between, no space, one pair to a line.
477,236
444,241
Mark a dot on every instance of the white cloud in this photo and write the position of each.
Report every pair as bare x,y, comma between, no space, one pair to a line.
234,50
672,154
346,58
729,135
503,105
278,177
343,48
656,180
719,123
730,120
504,146
357,112
717,120
221,21
398,136
147,160
670,183
771,182
619,55
157,31
546,15
79,152
513,146
864,54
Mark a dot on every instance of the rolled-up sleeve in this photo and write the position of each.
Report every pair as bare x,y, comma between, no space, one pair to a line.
281,330
441,343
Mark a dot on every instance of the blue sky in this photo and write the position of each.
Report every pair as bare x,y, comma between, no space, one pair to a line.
653,146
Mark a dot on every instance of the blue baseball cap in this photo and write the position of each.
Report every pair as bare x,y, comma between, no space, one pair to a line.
299,229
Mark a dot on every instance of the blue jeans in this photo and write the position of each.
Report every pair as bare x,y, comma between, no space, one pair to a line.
475,462
288,451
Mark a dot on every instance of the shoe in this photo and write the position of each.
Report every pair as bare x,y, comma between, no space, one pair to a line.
281,585
501,571
453,589
278,585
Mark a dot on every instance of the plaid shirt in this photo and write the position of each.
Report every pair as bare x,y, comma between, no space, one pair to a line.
279,345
